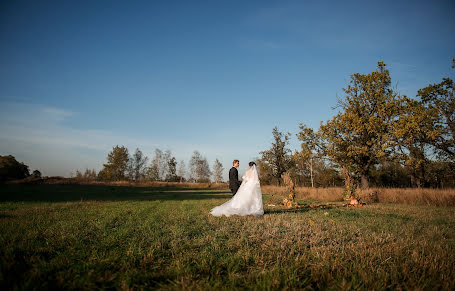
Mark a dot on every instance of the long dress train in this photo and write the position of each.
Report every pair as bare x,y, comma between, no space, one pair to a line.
247,200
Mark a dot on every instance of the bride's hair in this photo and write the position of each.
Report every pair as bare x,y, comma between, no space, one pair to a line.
251,164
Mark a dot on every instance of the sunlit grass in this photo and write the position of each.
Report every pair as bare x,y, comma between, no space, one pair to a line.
87,237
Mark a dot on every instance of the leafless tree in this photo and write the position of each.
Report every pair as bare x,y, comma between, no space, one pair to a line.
217,171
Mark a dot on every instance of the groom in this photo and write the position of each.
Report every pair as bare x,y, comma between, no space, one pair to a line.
234,182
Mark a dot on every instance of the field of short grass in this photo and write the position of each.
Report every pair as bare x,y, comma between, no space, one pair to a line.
90,237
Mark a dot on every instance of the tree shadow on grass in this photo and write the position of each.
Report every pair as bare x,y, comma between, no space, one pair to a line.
68,193
302,208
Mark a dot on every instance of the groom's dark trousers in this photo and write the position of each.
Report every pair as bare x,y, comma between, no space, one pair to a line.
234,182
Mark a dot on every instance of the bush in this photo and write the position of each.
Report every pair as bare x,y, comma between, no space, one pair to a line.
10,169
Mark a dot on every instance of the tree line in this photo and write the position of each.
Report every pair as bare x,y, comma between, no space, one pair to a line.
162,167
378,137
11,169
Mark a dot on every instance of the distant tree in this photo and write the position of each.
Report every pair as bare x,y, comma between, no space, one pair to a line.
117,164
154,171
138,165
326,174
311,149
217,171
300,170
36,174
359,135
204,172
11,169
158,164
277,158
79,177
171,175
441,174
265,172
199,168
159,168
164,168
391,173
192,166
181,171
102,175
90,175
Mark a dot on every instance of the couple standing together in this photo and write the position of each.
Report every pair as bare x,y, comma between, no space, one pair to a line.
247,195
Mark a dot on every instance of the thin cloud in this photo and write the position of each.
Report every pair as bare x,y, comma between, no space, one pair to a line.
57,114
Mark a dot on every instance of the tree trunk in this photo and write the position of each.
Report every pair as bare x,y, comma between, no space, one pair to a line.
347,177
417,182
418,176
311,173
365,176
423,175
365,179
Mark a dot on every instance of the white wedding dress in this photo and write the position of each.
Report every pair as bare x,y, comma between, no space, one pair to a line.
247,200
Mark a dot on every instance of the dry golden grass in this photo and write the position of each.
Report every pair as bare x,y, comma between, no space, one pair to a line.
325,194
410,196
413,196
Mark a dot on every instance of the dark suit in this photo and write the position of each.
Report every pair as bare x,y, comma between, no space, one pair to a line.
234,182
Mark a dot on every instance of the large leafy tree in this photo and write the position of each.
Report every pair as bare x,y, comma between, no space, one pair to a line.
359,135
439,101
117,164
277,159
414,132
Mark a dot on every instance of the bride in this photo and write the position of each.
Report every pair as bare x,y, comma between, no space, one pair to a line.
247,200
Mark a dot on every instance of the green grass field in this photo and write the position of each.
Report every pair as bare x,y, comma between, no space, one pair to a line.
91,237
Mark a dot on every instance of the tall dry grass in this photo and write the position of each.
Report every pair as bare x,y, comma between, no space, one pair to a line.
413,196
325,194
410,196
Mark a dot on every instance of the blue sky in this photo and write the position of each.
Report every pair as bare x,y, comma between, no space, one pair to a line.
79,77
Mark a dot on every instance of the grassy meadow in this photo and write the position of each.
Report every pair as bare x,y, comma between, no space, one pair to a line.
101,236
